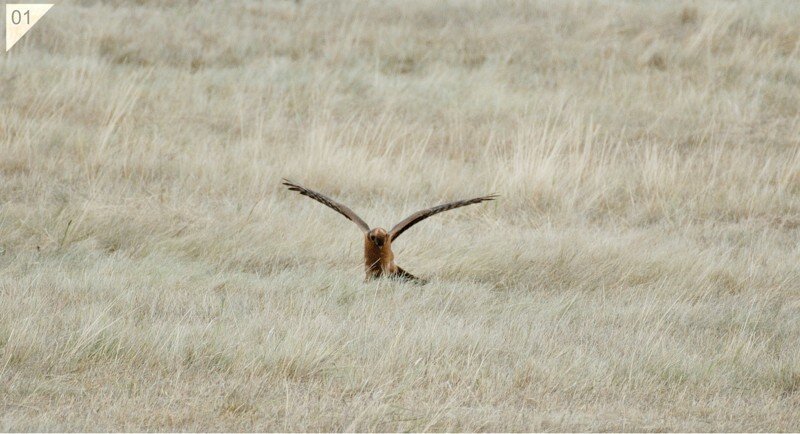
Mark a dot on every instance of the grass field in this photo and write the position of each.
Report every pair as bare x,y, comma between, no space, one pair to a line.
641,270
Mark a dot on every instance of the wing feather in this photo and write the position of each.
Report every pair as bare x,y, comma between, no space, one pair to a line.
325,200
422,215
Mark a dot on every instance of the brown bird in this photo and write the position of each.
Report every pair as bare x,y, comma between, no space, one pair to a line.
378,256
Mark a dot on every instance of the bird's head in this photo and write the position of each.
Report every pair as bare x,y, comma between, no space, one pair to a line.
378,236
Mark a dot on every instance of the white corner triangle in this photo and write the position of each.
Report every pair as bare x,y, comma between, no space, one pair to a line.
20,18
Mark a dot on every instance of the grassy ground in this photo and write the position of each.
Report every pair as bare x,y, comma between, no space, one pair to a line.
640,271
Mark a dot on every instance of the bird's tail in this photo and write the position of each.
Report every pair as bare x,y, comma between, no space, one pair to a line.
403,274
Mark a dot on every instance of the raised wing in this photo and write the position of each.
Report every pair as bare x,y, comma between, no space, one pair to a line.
422,215
325,200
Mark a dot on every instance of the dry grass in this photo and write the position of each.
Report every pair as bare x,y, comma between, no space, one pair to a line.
640,272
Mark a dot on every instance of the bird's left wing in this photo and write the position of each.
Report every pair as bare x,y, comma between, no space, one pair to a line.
422,215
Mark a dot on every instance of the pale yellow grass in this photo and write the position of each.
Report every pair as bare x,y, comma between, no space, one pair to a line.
640,272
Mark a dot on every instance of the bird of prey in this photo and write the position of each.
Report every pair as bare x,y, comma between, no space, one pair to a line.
378,256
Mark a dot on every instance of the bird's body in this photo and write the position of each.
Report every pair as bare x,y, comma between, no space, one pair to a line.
378,260
378,255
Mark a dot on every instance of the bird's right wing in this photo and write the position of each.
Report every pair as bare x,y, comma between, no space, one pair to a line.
325,200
